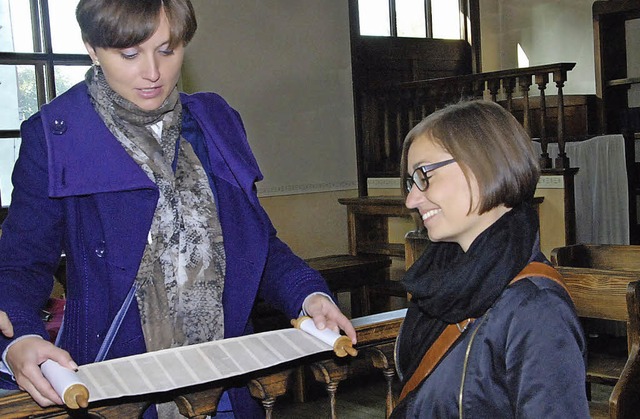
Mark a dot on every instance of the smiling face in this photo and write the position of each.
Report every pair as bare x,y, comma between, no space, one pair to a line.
444,206
144,74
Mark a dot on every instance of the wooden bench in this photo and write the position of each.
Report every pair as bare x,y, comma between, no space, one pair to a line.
610,295
355,274
598,256
343,273
607,357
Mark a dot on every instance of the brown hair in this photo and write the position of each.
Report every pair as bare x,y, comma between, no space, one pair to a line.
125,23
487,141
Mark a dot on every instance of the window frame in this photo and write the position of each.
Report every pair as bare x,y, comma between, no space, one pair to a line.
44,61
463,5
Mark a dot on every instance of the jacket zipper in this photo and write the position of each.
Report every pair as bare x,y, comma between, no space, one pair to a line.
466,361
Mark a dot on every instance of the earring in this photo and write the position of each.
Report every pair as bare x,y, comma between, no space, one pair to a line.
95,66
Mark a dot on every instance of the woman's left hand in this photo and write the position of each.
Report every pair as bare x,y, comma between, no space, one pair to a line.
326,314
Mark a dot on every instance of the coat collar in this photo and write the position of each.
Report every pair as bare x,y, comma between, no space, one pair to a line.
84,157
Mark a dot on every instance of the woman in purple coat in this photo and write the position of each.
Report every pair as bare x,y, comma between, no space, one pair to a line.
151,195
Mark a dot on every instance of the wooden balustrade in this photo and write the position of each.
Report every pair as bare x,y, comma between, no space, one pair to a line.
376,334
389,111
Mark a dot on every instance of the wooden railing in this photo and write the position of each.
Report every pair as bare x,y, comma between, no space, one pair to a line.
389,111
376,339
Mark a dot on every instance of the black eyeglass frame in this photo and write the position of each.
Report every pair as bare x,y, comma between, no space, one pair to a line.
421,174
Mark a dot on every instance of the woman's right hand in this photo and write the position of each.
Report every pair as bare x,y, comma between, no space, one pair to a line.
24,358
6,328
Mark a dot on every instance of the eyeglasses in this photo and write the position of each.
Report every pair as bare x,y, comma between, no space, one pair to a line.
419,176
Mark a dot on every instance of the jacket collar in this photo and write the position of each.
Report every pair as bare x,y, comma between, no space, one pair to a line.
84,157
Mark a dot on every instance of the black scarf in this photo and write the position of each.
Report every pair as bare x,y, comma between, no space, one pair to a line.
448,285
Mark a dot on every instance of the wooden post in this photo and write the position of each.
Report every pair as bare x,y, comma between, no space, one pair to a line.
541,80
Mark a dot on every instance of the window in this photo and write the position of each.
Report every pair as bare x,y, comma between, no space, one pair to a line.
411,18
41,56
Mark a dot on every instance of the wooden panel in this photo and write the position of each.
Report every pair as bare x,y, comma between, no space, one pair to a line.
616,257
599,293
387,59
581,115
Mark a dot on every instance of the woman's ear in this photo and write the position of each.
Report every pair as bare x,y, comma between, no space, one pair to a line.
91,51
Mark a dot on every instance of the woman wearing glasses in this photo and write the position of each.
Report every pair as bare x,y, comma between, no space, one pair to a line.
470,173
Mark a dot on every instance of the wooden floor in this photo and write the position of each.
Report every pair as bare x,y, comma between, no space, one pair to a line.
365,400
357,398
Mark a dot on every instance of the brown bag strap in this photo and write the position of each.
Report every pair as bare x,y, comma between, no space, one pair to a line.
433,355
453,331
541,269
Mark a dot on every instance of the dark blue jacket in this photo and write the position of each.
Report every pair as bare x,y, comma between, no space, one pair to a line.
523,359
77,190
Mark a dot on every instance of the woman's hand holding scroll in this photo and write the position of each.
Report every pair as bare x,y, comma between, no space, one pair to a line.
326,314
24,358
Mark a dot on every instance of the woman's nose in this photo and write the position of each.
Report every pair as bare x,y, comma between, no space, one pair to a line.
151,70
414,197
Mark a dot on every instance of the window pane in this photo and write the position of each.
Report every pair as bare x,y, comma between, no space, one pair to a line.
374,17
410,18
18,93
67,76
8,154
15,26
65,32
445,16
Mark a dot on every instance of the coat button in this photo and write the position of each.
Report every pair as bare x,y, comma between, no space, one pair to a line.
58,126
101,249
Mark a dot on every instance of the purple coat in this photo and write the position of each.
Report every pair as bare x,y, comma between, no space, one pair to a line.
77,190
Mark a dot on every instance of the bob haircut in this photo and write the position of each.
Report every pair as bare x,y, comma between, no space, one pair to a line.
488,143
125,23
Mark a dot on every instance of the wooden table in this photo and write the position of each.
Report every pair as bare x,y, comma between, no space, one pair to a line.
368,223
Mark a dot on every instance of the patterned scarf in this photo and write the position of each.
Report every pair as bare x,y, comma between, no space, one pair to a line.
181,276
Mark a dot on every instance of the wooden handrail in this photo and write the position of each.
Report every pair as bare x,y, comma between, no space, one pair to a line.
390,110
485,76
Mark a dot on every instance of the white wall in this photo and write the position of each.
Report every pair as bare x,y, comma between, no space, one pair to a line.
285,65
549,31
632,35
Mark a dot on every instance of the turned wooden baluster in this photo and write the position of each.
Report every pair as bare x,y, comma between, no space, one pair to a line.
542,79
267,389
494,88
478,89
466,90
562,161
509,85
331,374
199,404
525,84
383,359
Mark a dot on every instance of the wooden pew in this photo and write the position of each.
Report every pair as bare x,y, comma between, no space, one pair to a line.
607,368
200,401
598,256
611,295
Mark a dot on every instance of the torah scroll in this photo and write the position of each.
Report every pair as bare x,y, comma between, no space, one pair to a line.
196,364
